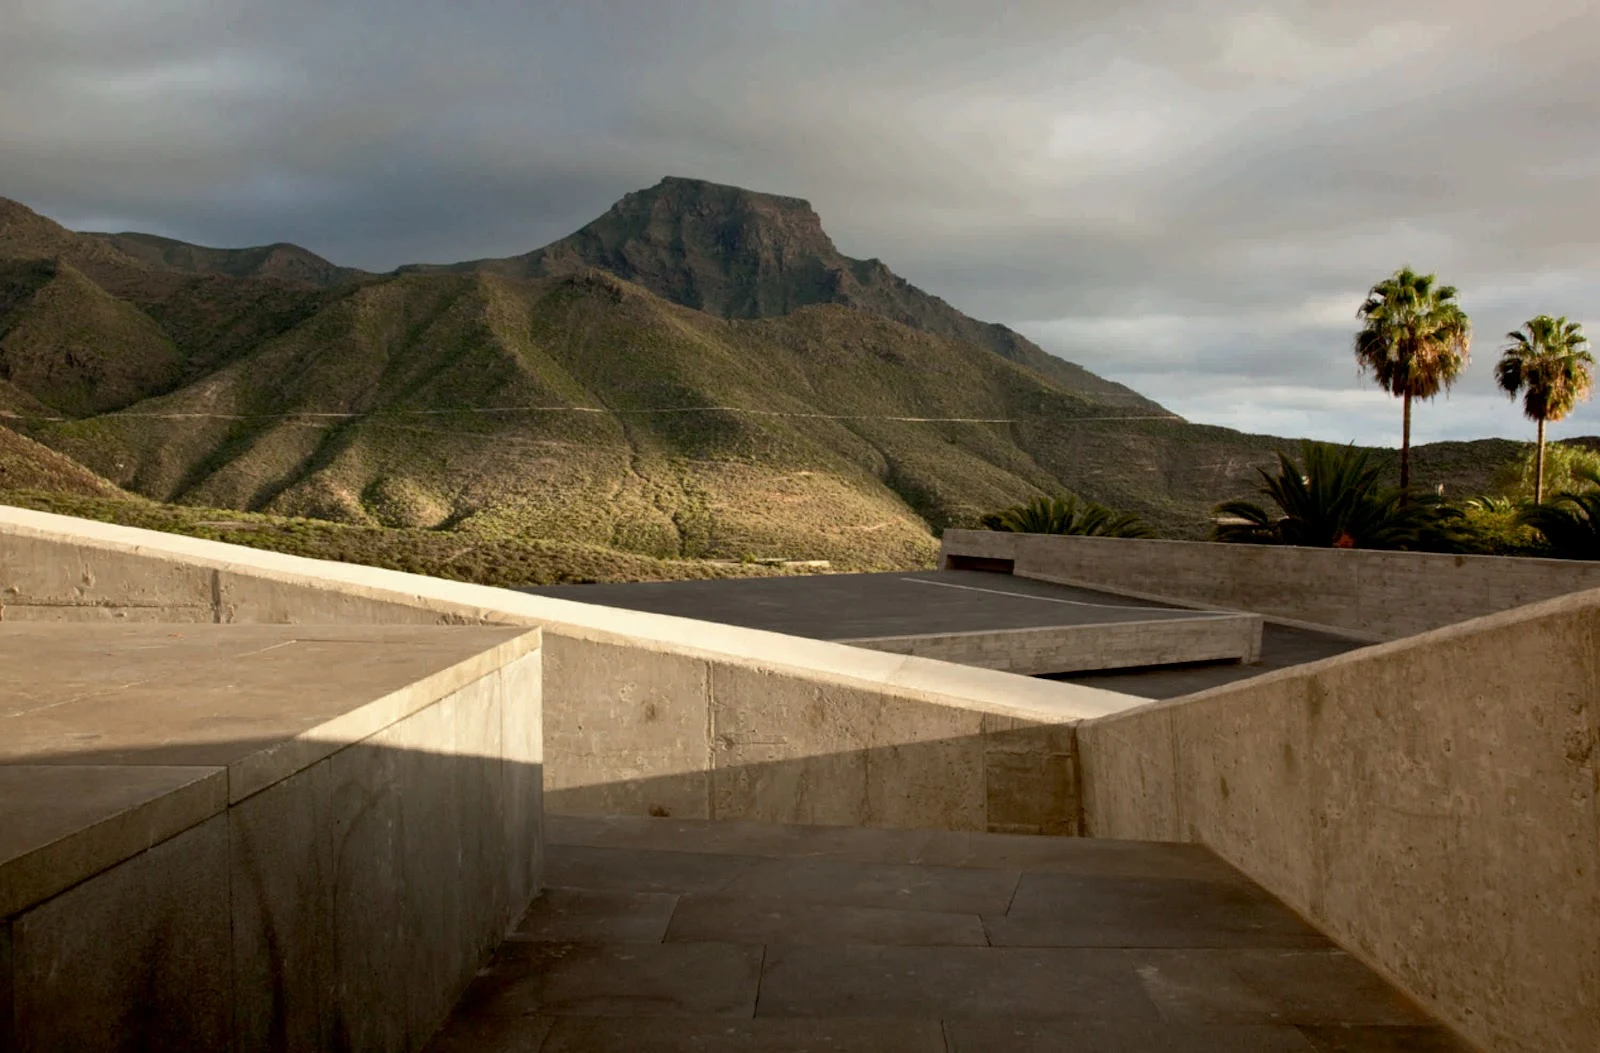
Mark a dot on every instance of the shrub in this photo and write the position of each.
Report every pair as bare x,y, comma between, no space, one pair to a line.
1066,514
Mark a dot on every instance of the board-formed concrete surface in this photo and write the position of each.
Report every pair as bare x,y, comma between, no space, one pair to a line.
664,935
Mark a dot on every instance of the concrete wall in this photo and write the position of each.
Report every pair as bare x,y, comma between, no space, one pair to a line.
643,713
1379,595
345,907
1430,803
1081,648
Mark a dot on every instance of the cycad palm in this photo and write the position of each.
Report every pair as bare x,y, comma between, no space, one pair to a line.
1065,514
1334,499
1549,363
1415,342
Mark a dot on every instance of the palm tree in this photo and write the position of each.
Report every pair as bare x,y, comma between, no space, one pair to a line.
1548,361
1065,514
1415,342
1334,499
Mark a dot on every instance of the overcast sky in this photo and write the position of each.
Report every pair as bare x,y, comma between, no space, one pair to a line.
1191,198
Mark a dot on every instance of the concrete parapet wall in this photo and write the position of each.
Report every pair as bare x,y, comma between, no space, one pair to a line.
1380,595
643,713
343,906
1430,803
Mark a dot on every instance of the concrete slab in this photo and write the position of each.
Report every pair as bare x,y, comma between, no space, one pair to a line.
263,701
65,822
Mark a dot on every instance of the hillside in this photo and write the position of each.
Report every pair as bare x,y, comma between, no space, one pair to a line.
776,404
27,465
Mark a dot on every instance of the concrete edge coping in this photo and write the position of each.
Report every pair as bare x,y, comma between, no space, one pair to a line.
1588,599
198,792
922,679
1339,553
181,798
281,760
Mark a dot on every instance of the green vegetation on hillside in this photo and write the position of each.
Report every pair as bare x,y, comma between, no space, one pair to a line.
441,554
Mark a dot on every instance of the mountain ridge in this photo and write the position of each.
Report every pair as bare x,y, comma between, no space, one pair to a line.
739,253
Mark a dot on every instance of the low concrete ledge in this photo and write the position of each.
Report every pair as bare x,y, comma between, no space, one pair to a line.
1370,595
1084,648
254,837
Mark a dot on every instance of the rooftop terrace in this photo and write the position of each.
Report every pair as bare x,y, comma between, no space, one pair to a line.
251,801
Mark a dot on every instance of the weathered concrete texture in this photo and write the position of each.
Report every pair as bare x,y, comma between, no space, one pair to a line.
1081,648
343,907
1386,595
1431,803
137,959
752,936
789,749
63,823
642,732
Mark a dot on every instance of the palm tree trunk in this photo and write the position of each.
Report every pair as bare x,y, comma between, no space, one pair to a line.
1538,470
1405,450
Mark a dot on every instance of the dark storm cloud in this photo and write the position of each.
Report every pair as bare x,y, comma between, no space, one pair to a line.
1189,198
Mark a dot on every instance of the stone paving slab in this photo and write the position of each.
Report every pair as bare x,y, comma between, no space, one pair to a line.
792,938
597,916
731,916
1068,909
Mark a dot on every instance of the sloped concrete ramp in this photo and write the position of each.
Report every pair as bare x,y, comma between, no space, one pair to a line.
665,934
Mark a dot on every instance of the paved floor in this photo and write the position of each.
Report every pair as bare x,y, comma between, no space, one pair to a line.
664,934
855,606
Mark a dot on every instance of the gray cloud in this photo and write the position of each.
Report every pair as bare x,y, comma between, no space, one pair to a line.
1188,198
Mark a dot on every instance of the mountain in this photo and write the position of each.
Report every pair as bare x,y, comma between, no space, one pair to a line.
280,260
770,398
735,253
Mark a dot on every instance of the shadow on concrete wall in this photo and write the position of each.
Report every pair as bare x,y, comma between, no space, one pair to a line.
343,908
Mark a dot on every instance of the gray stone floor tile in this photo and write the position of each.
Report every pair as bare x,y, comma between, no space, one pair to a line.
1255,986
1119,1036
960,890
490,1033
597,916
738,837
743,920
636,979
951,983
633,870
1089,931
1077,855
772,1035
1335,1038
1064,906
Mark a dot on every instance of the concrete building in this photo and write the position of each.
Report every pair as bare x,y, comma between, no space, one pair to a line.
251,801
